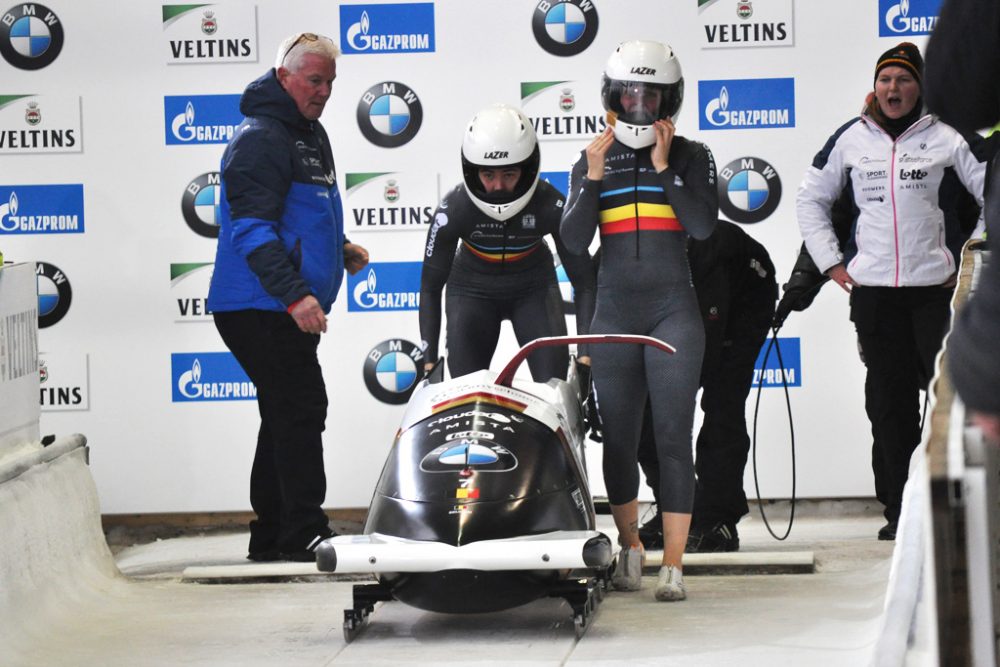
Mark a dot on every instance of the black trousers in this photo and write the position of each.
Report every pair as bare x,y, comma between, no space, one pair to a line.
900,330
287,481
723,445
474,330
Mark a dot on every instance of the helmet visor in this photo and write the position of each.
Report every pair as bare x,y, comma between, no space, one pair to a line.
494,184
641,102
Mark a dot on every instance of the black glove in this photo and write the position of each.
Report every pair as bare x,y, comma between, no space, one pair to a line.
592,419
436,373
800,290
583,378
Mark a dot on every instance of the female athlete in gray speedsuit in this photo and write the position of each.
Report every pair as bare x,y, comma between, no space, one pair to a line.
646,190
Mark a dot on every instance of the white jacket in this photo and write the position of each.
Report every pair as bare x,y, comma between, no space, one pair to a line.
900,226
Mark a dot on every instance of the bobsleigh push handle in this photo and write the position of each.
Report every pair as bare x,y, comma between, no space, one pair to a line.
506,376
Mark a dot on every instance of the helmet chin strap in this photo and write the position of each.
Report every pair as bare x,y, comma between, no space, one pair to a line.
501,211
634,136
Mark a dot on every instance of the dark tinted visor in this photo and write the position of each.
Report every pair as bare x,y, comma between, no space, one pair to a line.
640,102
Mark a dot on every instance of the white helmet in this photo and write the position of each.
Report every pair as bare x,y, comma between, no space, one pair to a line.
644,70
500,136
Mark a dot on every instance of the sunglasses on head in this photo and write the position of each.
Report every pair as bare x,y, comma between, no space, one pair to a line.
301,39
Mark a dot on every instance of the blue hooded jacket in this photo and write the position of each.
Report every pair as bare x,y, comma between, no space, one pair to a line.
281,221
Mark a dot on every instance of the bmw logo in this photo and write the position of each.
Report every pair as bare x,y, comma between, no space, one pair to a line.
749,190
200,205
31,36
54,294
564,28
392,370
389,114
469,453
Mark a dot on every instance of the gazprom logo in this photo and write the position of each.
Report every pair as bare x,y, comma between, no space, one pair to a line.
783,364
41,209
745,104
201,119
392,28
385,286
907,17
209,376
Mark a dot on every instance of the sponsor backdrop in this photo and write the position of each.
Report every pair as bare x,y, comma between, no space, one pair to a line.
110,184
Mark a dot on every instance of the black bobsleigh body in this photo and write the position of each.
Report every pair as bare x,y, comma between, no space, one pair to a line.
483,503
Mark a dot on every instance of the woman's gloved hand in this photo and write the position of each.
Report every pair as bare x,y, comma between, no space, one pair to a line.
591,418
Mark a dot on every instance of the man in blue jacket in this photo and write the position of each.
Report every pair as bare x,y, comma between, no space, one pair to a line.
278,268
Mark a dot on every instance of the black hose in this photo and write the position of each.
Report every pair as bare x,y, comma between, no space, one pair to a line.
791,430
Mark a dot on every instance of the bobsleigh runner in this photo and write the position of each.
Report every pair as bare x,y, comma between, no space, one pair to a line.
483,503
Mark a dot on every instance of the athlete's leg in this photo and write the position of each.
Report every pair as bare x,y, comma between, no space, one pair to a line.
473,328
539,315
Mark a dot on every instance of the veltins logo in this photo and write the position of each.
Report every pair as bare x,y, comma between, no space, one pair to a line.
772,374
200,204
209,376
40,124
189,288
201,119
743,23
564,27
392,370
31,36
746,104
749,190
385,286
209,33
54,294
65,381
392,200
41,209
907,17
389,114
391,28
556,114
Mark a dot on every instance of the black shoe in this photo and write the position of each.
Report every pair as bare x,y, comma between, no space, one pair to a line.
651,533
266,556
888,531
714,539
307,554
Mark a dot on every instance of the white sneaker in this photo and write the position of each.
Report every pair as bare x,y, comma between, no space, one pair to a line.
670,585
628,570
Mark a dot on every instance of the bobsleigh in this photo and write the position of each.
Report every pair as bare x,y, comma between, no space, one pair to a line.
483,503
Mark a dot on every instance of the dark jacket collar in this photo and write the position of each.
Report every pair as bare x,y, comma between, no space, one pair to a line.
266,97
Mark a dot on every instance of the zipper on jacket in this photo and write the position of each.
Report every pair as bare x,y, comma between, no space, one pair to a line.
503,249
895,219
892,190
635,200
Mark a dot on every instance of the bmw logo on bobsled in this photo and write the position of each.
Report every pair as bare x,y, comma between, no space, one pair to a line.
483,503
